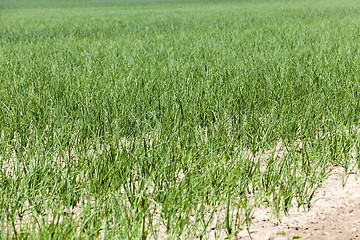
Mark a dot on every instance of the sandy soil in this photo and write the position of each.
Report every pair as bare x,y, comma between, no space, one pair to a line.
335,215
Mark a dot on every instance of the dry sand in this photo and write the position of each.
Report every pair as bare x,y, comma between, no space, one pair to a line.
335,215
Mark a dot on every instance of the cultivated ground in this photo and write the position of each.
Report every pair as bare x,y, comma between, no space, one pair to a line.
179,119
335,215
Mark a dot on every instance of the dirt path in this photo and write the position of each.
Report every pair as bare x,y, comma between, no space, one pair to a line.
336,215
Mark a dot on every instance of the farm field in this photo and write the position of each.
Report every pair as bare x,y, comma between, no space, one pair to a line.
172,119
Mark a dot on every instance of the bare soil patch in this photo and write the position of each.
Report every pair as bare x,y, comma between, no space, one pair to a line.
335,215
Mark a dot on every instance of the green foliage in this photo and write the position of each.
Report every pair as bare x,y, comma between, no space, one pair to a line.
135,119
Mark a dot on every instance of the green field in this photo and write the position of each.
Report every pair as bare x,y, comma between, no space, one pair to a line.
171,119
